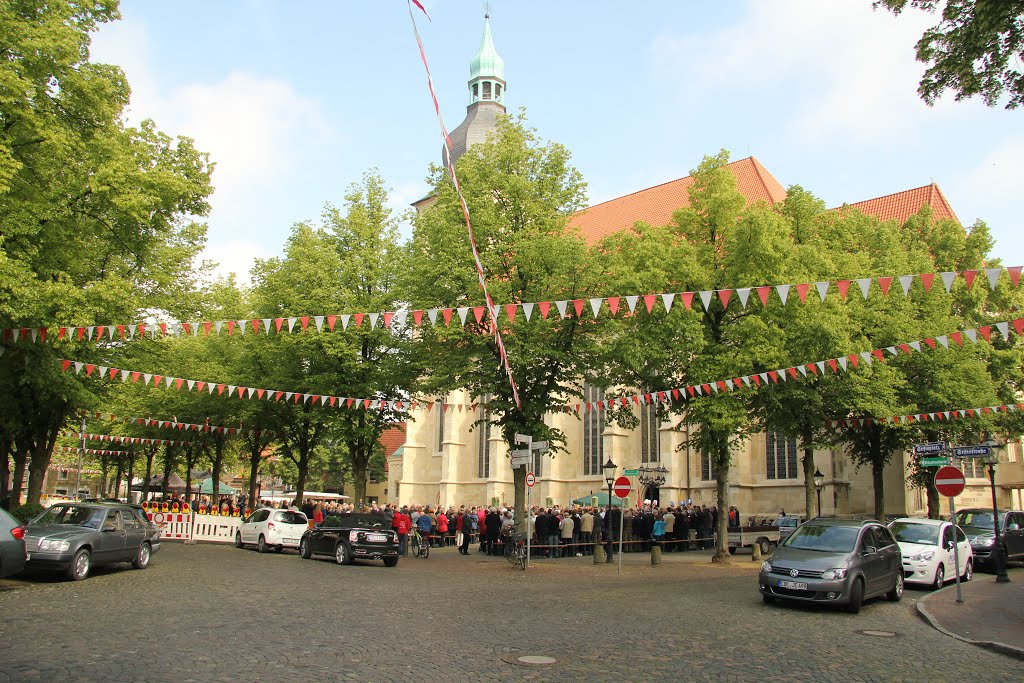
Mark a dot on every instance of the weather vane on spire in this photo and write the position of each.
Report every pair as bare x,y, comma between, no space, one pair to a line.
487,9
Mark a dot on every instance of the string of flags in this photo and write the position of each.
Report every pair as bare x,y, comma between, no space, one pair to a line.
936,416
450,162
530,311
175,424
131,440
87,451
820,367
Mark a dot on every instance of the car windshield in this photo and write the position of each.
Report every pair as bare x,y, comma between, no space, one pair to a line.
972,518
291,517
783,522
823,538
910,532
75,515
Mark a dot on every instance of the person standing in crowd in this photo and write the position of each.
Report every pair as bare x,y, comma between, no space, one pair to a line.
566,528
658,530
586,531
670,529
442,527
481,515
318,514
423,524
493,524
402,525
468,520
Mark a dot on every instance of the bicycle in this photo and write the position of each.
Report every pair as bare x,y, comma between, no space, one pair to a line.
515,550
420,546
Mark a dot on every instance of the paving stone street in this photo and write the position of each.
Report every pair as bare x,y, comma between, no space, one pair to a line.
214,613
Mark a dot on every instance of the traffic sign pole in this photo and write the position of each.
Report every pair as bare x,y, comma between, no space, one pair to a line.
528,520
956,549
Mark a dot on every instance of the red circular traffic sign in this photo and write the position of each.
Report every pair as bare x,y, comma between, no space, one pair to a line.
949,481
622,487
531,479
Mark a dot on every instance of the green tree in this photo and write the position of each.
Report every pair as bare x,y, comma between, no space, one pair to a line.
976,49
520,193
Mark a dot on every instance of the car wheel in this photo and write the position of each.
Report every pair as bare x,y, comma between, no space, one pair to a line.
141,560
767,599
304,550
969,570
897,590
261,545
856,597
766,547
940,577
238,539
342,555
278,548
390,561
80,565
732,550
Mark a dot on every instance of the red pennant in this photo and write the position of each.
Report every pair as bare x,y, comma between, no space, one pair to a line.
883,283
706,388
649,301
687,298
813,368
843,286
757,379
675,394
905,348
359,319
510,311
60,333
200,386
331,319
723,296
446,313
986,331
926,280
958,338
304,320
578,305
231,327
762,293
387,319
156,379
930,342
1018,324
802,291
278,322
220,389
206,329
65,364
417,318
774,375
723,386
135,377
792,372
877,353
478,313
255,326
832,364
177,383
692,392
260,392
613,304
1014,272
163,328
969,276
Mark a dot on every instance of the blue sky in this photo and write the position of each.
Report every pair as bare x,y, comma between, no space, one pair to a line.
294,101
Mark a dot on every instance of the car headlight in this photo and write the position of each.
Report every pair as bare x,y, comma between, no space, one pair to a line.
984,542
833,574
923,556
766,566
54,545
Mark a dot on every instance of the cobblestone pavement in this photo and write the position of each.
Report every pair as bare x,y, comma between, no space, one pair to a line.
214,613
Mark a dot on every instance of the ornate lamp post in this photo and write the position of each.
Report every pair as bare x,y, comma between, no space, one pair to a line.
819,481
652,476
609,478
1001,575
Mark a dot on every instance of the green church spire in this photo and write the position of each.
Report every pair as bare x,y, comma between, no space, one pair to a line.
487,70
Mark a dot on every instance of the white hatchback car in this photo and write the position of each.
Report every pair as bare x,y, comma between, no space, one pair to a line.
269,528
927,548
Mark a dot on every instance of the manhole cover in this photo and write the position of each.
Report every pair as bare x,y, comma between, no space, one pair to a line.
879,634
536,659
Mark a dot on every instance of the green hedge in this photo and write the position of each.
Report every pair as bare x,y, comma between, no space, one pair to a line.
26,512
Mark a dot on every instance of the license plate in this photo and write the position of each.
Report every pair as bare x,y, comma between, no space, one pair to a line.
291,541
793,585
377,538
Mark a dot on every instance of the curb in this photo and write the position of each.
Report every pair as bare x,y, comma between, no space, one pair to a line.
995,646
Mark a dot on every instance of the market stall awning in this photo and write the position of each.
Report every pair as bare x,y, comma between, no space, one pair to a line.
597,498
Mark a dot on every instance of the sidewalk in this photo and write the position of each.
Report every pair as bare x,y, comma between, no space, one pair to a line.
991,615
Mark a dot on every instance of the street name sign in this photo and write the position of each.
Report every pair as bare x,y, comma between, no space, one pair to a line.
949,481
520,458
531,479
929,448
934,462
972,452
539,446
622,487
632,473
523,438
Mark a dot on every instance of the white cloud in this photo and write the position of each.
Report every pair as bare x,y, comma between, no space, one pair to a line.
236,257
844,69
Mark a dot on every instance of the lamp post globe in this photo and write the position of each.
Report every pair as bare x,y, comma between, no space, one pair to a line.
819,480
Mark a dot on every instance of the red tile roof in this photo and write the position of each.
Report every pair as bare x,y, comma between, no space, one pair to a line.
903,205
392,438
656,204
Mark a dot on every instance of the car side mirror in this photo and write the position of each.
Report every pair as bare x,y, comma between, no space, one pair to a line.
1014,527
949,545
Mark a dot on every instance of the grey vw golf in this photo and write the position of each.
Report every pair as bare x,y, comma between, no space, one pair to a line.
834,562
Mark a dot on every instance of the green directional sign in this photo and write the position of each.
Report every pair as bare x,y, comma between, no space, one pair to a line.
934,462
632,473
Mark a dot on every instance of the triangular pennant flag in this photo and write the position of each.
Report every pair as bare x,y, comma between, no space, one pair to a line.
528,311
947,279
972,334
915,345
762,294
843,286
866,355
926,280
884,283
822,290
358,317
801,369
687,298
723,296
842,362
801,290
986,332
821,366
577,305
373,320
431,315
705,298
667,299
649,301
783,291
319,320
1004,329
1014,272
595,305
631,303
969,276
613,305
561,306
944,340
291,323
399,318
478,313
463,311
510,311
743,293
958,338
905,281
993,276
865,286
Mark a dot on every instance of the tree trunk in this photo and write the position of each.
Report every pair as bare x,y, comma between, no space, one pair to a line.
722,484
520,514
359,467
933,499
218,462
300,482
877,470
255,457
131,474
810,490
41,451
150,454
18,480
5,471
117,481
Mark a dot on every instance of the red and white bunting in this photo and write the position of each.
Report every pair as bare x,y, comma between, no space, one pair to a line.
936,416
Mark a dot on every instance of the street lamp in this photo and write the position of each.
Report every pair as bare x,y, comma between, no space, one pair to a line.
1001,575
609,478
819,481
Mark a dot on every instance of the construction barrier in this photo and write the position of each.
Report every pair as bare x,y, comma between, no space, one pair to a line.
215,528
174,526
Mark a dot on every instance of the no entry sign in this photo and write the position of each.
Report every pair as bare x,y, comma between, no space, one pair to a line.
531,479
949,481
622,487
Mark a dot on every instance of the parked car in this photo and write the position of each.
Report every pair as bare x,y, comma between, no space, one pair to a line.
12,544
786,525
927,548
837,561
977,524
269,528
75,537
350,537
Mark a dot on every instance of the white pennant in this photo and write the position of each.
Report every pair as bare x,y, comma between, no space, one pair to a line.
667,300
892,350
241,327
783,291
865,286
111,330
291,323
210,387
463,312
802,370
91,329
763,376
561,305
822,289
916,345
399,318
146,377
746,380
1004,329
947,279
944,340
250,391
631,302
528,311
705,298
866,355
744,293
346,317
288,395
191,384
103,371
373,320
131,332
905,281
168,380
266,325
821,366
124,375
319,320
217,325
993,276
306,397
842,362
972,334
431,314
595,306
782,375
